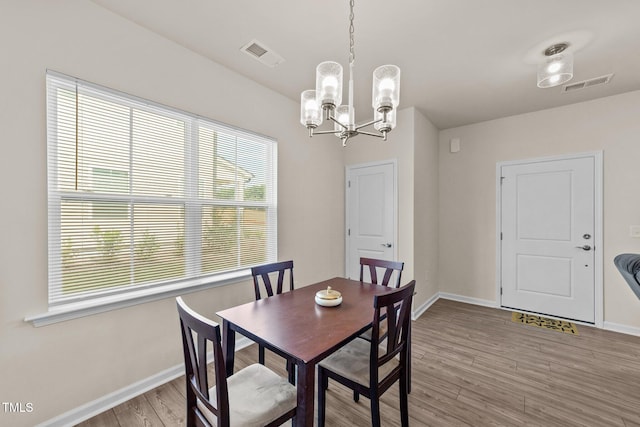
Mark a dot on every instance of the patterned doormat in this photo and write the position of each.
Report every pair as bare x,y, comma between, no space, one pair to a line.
545,323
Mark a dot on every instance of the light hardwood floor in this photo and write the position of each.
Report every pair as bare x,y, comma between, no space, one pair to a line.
472,366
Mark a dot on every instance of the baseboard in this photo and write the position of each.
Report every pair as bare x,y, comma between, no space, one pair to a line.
104,403
453,297
616,327
424,307
469,300
111,400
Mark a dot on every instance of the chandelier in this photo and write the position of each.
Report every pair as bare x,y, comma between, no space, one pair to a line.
324,103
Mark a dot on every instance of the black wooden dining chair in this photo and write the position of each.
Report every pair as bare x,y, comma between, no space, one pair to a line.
367,367
253,396
264,273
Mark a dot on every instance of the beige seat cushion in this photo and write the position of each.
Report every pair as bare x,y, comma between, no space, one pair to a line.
352,361
257,396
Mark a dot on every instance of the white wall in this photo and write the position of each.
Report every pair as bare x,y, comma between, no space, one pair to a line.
62,366
468,190
426,209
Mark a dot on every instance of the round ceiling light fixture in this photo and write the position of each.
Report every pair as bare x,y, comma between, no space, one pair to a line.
557,67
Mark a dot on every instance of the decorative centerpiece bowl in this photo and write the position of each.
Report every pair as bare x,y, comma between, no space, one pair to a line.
328,297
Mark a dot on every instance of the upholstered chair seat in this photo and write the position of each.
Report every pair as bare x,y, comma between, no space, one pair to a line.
352,362
257,396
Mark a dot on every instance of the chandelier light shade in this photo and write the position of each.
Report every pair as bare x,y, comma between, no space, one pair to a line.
343,117
557,67
329,84
310,111
325,103
386,88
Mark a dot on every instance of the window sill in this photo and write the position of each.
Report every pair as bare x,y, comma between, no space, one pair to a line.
87,308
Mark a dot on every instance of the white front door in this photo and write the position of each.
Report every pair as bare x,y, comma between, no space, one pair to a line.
548,237
370,217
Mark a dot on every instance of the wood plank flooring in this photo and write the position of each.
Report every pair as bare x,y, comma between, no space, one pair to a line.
472,366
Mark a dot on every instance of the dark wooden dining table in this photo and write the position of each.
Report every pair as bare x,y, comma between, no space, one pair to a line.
294,326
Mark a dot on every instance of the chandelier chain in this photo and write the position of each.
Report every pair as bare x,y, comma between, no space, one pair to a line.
352,54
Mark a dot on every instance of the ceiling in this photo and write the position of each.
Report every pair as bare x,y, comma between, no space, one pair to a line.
462,61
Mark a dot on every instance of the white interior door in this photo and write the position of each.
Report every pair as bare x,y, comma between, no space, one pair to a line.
548,242
371,214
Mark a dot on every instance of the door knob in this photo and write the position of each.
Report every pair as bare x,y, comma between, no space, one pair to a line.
584,247
386,245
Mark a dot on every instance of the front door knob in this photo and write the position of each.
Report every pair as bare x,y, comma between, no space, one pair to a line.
584,247
386,245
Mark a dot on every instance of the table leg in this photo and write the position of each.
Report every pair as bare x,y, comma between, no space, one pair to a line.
228,346
306,386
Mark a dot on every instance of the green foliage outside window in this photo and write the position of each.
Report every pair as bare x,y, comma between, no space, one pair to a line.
109,242
148,246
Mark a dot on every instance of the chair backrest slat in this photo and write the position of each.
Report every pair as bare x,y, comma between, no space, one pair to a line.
389,268
397,307
263,271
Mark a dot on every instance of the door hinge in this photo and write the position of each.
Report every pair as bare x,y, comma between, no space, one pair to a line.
500,290
349,184
501,179
348,232
501,235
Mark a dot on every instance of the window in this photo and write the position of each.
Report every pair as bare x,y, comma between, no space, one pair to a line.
109,180
141,195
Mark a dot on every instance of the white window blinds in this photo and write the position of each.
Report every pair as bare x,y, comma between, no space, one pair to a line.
143,195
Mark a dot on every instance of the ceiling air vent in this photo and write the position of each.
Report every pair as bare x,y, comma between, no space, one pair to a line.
257,50
587,83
